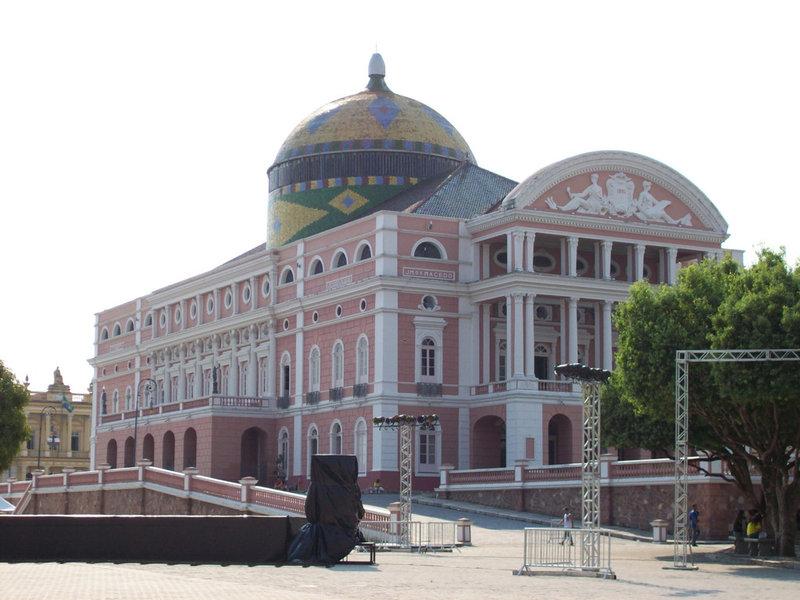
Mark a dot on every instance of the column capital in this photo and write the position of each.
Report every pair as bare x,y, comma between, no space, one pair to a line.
573,299
640,247
572,240
672,252
606,243
530,296
518,296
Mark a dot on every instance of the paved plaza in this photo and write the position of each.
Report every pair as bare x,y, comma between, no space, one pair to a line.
482,571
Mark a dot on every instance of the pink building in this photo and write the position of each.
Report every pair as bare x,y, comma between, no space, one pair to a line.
398,277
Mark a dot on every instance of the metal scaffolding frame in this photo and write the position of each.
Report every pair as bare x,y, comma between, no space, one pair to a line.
682,360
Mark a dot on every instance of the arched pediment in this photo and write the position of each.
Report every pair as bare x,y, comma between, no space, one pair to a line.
618,186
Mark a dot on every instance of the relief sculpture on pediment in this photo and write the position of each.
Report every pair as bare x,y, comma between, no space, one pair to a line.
619,200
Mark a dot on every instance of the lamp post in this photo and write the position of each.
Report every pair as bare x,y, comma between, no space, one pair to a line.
50,411
148,386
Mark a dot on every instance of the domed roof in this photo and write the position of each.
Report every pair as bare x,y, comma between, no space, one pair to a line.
353,154
375,119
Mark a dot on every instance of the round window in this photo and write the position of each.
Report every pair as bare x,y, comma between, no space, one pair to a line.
339,310
228,299
286,324
428,302
178,316
193,309
501,258
614,269
210,305
265,286
582,265
544,312
363,304
246,294
315,317
163,318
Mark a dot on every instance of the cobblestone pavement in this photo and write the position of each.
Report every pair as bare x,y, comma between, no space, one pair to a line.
479,572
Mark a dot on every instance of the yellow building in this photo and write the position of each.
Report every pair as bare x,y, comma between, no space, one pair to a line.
60,424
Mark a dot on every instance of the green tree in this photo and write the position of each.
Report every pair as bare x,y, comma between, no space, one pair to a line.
13,424
745,414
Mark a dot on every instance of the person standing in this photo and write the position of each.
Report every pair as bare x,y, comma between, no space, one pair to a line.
566,521
694,516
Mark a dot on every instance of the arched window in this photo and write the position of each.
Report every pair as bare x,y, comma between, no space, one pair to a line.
337,373
263,374
104,334
115,402
287,276
129,326
128,399
428,250
316,267
148,320
313,370
313,447
362,360
339,260
360,444
117,330
364,252
243,379
283,453
336,438
286,374
428,358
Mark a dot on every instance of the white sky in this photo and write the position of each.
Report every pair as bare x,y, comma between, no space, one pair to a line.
135,137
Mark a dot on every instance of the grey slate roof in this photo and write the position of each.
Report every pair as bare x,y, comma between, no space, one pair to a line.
464,193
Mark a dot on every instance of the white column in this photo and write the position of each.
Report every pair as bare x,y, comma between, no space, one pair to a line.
485,353
475,346
530,237
167,379
216,304
235,305
386,352
638,262
519,332
67,442
672,266
467,346
299,360
181,374
486,265
509,336
530,299
233,370
271,358
606,246
477,274
573,329
607,347
184,316
198,299
572,256
252,363
519,238
509,252
168,313
198,369
253,294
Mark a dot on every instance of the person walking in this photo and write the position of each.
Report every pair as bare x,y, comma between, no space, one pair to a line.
566,521
694,516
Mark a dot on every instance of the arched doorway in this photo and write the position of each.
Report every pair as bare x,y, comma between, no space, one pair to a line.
111,453
168,451
148,448
190,448
489,443
130,457
254,454
559,440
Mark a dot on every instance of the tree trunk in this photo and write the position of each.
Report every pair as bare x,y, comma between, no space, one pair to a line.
781,500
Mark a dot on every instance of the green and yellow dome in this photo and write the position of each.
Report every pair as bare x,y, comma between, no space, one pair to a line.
351,155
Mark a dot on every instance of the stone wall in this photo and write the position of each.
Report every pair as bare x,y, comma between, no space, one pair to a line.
632,506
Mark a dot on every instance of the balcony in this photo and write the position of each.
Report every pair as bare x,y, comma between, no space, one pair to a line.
547,386
312,398
283,402
360,390
212,403
336,394
429,390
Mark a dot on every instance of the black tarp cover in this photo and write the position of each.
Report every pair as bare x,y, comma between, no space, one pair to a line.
333,510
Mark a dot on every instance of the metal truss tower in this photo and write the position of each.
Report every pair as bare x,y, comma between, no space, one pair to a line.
406,460
590,476
682,360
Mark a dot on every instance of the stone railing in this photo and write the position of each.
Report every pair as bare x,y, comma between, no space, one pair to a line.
536,385
244,495
216,400
610,469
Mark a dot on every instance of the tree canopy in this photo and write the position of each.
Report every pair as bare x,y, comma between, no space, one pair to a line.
13,424
747,414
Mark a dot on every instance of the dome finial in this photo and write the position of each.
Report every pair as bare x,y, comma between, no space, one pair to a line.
377,68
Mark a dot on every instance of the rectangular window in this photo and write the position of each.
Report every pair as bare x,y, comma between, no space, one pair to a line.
32,442
75,442
427,449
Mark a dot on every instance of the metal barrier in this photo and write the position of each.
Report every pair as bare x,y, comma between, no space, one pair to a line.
565,550
433,535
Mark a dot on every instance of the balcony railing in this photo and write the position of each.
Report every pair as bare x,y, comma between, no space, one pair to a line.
336,394
540,385
312,397
429,390
360,390
231,402
283,401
